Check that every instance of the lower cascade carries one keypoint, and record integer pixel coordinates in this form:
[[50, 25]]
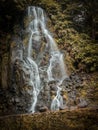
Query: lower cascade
[[38, 68]]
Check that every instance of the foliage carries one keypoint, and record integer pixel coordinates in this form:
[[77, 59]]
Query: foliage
[[74, 24], [74, 34]]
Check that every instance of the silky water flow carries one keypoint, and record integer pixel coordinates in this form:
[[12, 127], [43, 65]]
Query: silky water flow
[[39, 37]]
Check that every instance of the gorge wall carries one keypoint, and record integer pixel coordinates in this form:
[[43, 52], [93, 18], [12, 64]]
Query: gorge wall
[[79, 50]]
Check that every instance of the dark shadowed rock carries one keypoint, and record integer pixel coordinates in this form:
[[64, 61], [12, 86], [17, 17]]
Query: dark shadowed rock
[[43, 109], [64, 107]]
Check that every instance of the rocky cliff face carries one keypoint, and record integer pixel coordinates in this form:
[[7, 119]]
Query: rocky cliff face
[[80, 87]]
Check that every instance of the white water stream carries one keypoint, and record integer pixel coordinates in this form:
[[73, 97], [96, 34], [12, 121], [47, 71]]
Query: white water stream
[[55, 68]]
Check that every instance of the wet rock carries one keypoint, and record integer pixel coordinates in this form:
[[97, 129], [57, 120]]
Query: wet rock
[[83, 103], [52, 82], [53, 88], [17, 100], [43, 109], [64, 107], [67, 79], [53, 93]]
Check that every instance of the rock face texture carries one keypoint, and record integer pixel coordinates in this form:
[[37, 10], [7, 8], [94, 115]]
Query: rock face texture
[[79, 89]]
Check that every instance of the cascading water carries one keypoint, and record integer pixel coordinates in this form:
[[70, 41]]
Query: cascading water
[[37, 27], [42, 62], [35, 82]]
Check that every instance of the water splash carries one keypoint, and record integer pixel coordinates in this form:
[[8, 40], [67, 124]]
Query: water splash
[[57, 102]]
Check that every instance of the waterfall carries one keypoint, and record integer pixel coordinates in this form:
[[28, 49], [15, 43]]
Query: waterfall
[[41, 63], [34, 78], [37, 28]]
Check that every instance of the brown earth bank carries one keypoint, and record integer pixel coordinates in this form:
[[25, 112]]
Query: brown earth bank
[[78, 119]]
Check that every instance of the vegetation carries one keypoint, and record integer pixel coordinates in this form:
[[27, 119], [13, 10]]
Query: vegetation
[[74, 120], [75, 27], [76, 35]]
